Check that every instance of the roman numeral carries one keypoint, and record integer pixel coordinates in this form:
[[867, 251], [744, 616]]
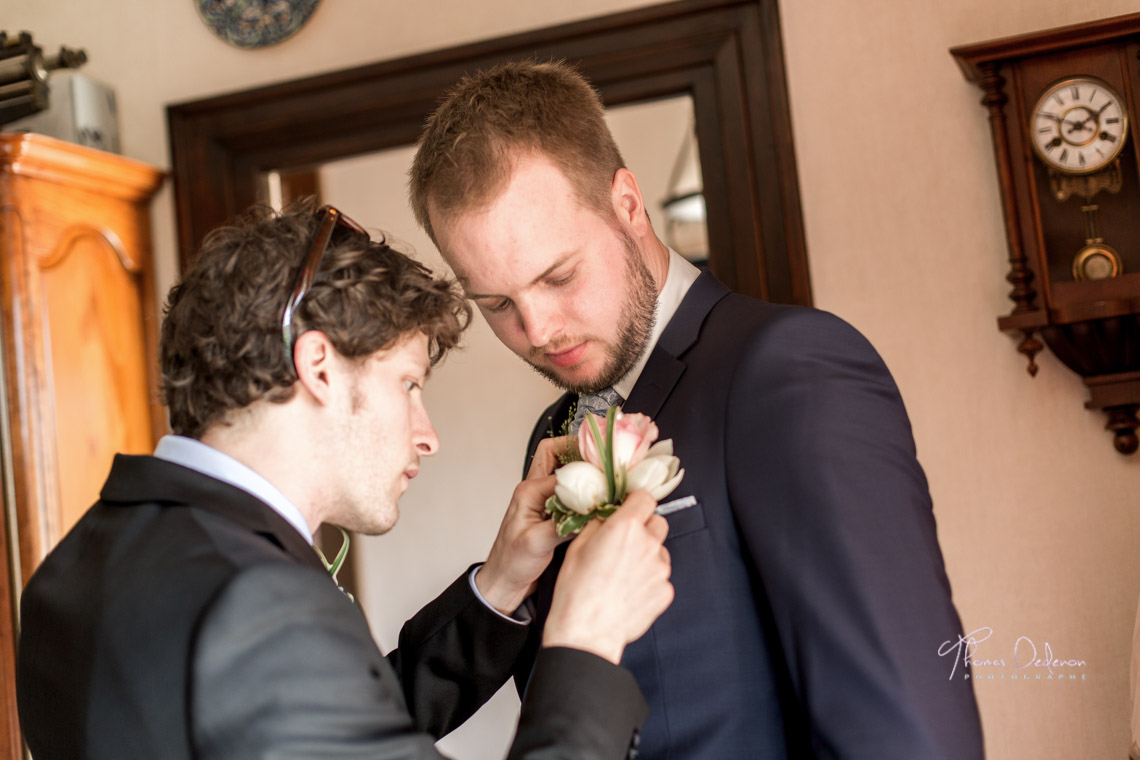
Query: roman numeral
[[1081, 157], [1113, 120], [1076, 93], [1094, 94], [1107, 136], [1045, 130], [1064, 155], [1059, 101]]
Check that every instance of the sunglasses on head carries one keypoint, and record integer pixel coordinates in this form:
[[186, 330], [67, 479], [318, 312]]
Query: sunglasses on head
[[330, 217]]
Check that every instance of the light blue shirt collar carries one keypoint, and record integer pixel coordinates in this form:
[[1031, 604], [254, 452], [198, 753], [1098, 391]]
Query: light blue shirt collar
[[207, 460]]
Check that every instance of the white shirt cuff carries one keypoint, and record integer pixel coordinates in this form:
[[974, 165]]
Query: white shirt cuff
[[522, 616]]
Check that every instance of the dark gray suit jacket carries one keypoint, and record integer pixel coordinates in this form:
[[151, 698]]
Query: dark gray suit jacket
[[811, 599], [184, 618]]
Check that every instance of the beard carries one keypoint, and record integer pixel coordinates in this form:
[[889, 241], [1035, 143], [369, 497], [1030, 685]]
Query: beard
[[638, 316]]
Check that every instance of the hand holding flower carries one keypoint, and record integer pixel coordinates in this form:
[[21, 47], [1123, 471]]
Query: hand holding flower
[[613, 584], [623, 459], [523, 547]]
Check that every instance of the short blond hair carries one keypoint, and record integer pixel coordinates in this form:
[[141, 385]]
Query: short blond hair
[[491, 118]]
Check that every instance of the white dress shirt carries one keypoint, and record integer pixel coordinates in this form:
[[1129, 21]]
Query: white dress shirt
[[680, 277]]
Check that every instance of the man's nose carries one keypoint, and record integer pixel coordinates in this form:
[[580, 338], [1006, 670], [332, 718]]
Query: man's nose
[[539, 321], [424, 436]]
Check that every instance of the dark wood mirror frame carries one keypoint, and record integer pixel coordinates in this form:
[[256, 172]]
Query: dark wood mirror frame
[[726, 54]]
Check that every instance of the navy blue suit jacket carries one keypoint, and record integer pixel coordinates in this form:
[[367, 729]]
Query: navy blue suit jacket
[[811, 598]]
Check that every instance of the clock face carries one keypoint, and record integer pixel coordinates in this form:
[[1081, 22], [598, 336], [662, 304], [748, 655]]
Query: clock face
[[1079, 125]]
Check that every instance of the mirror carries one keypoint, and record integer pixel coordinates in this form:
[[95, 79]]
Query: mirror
[[725, 54]]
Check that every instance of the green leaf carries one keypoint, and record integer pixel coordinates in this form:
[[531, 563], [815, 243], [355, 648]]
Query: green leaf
[[341, 555], [554, 504], [334, 567], [571, 523], [611, 476], [604, 449]]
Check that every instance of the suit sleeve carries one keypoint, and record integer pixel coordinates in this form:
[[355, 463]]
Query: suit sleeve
[[284, 667], [836, 515], [453, 656]]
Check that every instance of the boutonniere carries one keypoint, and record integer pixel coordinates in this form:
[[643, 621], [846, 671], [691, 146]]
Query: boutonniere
[[338, 561], [617, 455]]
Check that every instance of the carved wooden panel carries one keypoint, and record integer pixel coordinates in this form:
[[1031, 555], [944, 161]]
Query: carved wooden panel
[[78, 342], [93, 323]]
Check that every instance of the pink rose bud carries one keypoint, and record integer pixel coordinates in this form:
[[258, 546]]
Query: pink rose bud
[[633, 435], [586, 444]]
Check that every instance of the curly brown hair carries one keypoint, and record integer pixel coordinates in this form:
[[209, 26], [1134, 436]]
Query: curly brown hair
[[221, 347], [487, 120]]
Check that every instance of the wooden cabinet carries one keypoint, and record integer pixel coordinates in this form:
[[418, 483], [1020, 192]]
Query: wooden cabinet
[[78, 338]]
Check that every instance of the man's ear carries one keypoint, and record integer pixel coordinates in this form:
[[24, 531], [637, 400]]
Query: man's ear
[[315, 360], [628, 203]]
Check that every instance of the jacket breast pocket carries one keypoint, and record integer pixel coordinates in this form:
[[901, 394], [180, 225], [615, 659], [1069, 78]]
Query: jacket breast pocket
[[685, 521]]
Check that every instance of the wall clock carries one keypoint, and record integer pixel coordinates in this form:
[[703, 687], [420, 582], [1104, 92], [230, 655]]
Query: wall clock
[[1079, 125], [255, 23], [1062, 105]]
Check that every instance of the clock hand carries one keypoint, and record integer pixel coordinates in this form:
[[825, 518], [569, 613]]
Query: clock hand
[[1075, 125]]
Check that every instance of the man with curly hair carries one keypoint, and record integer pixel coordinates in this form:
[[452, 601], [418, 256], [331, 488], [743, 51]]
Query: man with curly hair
[[187, 615]]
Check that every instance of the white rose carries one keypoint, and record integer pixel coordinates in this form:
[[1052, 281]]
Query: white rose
[[659, 473], [581, 487]]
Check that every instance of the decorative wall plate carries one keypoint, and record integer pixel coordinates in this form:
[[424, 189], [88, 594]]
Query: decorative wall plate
[[255, 23]]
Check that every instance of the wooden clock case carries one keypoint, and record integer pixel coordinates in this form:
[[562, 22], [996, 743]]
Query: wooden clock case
[[1093, 326]]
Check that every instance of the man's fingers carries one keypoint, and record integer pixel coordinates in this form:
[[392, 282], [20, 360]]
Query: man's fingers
[[533, 492], [658, 527], [545, 459], [638, 505], [590, 529]]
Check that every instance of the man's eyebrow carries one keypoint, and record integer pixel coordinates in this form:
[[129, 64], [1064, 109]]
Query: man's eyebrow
[[561, 260]]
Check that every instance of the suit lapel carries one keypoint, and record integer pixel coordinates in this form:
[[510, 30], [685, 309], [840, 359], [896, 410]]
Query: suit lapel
[[665, 366], [146, 479]]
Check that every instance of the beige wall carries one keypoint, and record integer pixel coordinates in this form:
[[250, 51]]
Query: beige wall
[[1038, 516]]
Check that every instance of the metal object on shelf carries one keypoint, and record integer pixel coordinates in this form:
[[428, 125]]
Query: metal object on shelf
[[24, 71]]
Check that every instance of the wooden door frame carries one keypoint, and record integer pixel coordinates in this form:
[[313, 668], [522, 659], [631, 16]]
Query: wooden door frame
[[726, 54]]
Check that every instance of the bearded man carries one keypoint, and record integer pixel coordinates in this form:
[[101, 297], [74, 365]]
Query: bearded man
[[811, 597]]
